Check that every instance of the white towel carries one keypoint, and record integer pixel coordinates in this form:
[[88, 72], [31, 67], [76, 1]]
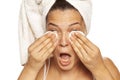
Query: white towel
[[32, 20]]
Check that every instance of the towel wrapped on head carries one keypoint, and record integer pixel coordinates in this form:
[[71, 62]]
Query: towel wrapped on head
[[32, 20]]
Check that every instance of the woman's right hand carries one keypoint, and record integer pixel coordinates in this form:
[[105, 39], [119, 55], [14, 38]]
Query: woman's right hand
[[41, 50]]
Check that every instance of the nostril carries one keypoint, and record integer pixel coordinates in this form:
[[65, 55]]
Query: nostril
[[63, 45], [64, 42]]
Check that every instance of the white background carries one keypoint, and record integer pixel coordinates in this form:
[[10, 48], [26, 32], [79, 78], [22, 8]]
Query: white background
[[105, 33]]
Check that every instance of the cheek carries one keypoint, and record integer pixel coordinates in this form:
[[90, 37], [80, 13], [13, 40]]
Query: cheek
[[56, 51]]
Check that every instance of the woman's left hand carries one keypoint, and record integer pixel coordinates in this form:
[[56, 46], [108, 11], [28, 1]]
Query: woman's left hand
[[88, 53]]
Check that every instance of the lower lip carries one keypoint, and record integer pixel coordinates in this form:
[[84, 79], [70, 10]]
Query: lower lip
[[64, 62]]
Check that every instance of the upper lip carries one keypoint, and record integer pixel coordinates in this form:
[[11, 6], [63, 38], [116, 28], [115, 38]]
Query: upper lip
[[64, 53]]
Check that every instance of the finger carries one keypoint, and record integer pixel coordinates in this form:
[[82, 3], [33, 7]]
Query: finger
[[90, 51], [39, 41], [77, 47], [41, 46], [40, 54], [85, 41], [47, 51], [84, 46], [53, 41]]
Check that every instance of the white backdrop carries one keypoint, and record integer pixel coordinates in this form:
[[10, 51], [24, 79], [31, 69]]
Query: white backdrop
[[104, 32]]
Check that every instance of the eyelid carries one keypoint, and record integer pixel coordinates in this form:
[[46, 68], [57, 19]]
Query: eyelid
[[75, 30], [53, 30]]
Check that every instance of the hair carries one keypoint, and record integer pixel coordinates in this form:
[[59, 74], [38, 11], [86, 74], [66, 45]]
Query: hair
[[61, 5]]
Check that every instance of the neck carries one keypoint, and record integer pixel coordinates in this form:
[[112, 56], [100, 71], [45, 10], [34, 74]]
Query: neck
[[77, 70]]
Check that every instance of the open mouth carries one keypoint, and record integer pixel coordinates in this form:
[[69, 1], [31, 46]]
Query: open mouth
[[64, 55], [65, 59]]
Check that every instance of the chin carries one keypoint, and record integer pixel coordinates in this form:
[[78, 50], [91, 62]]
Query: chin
[[66, 68]]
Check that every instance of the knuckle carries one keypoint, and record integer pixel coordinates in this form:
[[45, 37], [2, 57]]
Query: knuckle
[[29, 49], [32, 55], [88, 60], [43, 43], [36, 58], [85, 40], [76, 43], [39, 59], [50, 50], [97, 50]]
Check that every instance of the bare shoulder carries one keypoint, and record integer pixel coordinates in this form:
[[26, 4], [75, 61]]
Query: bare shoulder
[[109, 63], [111, 67]]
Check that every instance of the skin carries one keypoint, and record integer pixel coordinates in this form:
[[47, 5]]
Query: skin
[[86, 59]]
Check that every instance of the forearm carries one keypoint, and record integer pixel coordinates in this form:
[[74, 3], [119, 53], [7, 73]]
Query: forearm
[[28, 73]]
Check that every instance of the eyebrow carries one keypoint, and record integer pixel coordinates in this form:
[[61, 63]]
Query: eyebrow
[[68, 25], [53, 24], [74, 24]]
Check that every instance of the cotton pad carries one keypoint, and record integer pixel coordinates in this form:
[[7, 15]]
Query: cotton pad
[[77, 32]]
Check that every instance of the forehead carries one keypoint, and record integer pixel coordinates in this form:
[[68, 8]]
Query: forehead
[[64, 17]]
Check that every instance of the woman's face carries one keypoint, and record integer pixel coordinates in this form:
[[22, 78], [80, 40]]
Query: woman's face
[[63, 22]]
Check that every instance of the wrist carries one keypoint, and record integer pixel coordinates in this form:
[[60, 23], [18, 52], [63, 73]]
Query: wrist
[[33, 65], [31, 68]]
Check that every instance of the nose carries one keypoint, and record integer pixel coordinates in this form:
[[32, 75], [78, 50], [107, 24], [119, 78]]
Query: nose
[[64, 41]]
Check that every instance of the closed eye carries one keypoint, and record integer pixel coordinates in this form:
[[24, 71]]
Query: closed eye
[[75, 30], [52, 30]]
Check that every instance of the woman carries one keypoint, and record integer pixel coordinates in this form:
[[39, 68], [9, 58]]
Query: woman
[[64, 53]]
